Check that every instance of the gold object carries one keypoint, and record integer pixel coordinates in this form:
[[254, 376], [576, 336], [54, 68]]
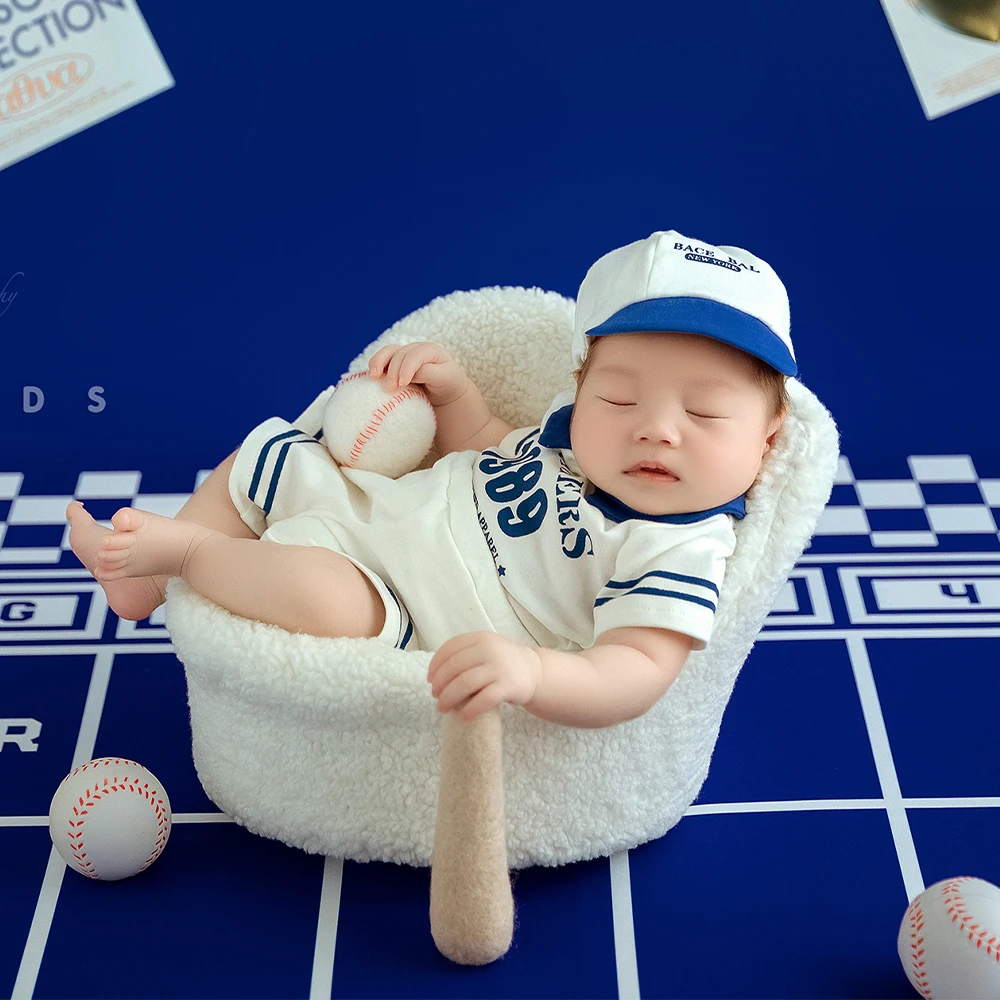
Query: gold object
[[977, 18]]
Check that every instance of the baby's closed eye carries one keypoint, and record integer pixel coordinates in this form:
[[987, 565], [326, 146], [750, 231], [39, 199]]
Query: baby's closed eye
[[692, 413]]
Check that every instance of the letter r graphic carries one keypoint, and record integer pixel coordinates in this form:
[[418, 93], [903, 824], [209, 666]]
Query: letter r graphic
[[24, 741]]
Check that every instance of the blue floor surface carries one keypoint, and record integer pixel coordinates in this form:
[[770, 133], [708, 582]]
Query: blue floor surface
[[784, 880]]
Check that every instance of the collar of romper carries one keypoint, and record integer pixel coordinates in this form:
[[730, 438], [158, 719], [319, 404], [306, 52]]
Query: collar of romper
[[555, 434]]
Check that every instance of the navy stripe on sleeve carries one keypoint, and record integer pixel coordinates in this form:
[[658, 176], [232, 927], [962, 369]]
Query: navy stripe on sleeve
[[659, 593], [695, 581], [262, 462], [405, 618], [275, 476]]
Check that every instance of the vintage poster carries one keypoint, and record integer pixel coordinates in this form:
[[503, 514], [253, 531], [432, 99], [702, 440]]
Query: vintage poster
[[67, 66], [951, 49]]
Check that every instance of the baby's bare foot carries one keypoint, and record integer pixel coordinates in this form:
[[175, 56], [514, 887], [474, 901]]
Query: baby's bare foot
[[145, 544], [131, 599]]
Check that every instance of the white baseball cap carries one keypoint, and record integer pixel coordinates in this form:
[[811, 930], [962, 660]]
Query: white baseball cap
[[672, 283]]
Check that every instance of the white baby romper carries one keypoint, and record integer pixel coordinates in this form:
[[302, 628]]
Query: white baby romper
[[513, 540]]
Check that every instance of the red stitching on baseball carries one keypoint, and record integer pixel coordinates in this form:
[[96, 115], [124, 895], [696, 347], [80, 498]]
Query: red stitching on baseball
[[365, 435], [103, 762], [89, 797], [952, 891], [377, 417], [916, 915]]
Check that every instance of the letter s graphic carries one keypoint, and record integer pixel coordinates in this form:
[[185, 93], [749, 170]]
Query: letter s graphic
[[580, 543]]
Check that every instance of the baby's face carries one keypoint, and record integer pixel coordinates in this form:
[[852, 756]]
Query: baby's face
[[688, 402]]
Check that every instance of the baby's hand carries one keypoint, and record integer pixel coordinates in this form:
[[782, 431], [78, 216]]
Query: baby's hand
[[426, 364], [476, 671]]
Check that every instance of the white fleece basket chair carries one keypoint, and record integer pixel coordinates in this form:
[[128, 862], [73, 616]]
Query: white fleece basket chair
[[334, 745]]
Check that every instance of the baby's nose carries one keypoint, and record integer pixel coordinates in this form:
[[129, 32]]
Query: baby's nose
[[662, 429]]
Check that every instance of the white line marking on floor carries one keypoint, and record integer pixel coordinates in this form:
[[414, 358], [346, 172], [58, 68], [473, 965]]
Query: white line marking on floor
[[48, 896], [621, 912], [326, 930], [700, 809], [906, 852]]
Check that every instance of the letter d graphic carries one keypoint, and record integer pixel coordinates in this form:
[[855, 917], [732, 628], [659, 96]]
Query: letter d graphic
[[29, 406]]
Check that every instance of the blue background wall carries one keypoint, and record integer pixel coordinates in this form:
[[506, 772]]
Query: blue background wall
[[221, 252]]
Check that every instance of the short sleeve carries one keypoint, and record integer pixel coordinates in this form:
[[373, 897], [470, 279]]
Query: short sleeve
[[292, 455], [668, 576]]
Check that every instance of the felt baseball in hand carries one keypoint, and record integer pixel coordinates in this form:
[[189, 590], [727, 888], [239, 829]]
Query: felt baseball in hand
[[109, 818], [949, 940], [366, 426]]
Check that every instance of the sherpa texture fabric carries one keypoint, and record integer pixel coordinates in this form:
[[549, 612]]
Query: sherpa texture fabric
[[333, 745]]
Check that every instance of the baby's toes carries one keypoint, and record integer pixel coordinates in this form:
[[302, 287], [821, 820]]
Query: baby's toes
[[114, 557], [117, 549], [124, 519], [111, 560], [117, 541]]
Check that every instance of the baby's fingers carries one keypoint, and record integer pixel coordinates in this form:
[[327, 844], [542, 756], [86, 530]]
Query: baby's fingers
[[410, 364], [380, 359], [392, 372], [462, 688], [485, 701], [410, 359]]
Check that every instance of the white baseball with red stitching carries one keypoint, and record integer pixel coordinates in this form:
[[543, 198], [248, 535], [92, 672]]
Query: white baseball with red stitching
[[949, 940], [366, 426], [109, 818]]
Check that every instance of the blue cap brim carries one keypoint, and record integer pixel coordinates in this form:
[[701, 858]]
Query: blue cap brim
[[689, 314]]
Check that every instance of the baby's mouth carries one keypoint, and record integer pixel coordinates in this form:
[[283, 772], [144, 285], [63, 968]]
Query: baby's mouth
[[652, 470]]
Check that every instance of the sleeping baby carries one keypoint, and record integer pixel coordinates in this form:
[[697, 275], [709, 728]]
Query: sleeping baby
[[568, 567]]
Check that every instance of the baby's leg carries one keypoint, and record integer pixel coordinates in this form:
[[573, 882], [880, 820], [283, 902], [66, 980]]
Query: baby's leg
[[301, 588], [136, 598]]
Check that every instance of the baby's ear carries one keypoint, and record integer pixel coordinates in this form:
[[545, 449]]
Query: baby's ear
[[772, 430]]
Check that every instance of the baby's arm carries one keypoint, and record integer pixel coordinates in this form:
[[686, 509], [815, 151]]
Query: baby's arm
[[469, 410], [618, 679], [464, 421], [621, 677], [647, 619]]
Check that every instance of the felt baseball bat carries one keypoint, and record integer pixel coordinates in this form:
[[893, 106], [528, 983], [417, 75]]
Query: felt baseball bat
[[472, 905]]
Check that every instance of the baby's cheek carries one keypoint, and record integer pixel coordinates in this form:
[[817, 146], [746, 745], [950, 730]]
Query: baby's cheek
[[740, 466], [755, 462]]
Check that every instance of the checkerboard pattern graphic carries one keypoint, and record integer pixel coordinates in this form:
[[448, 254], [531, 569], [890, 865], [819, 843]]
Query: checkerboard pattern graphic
[[33, 528], [943, 506]]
